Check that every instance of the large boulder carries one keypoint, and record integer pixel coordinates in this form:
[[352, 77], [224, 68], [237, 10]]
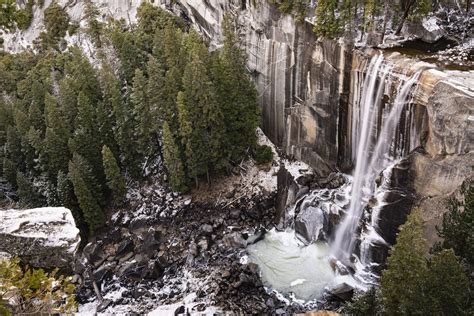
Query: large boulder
[[42, 237], [309, 224], [429, 31]]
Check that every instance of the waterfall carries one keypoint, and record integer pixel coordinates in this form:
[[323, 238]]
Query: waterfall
[[303, 260], [373, 130]]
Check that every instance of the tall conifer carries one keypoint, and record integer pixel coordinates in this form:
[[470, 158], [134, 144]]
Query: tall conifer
[[115, 180]]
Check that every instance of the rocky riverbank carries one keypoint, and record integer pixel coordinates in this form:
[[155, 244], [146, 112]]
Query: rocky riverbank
[[176, 253]]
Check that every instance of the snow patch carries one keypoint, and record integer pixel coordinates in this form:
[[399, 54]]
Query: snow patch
[[431, 24]]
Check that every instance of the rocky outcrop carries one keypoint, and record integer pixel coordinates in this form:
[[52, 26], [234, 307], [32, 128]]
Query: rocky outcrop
[[43, 237], [436, 181], [189, 252]]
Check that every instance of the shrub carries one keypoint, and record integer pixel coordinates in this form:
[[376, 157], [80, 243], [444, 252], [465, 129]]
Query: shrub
[[33, 290], [24, 17], [263, 154]]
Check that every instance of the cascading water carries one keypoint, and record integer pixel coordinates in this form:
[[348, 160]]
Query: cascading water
[[378, 143], [374, 152]]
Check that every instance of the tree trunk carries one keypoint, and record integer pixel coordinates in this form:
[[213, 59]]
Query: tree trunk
[[409, 4]]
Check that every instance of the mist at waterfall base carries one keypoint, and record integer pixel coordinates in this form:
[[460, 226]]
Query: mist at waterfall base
[[305, 272]]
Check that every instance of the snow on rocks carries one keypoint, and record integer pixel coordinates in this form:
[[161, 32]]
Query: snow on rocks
[[20, 40], [429, 31], [42, 237]]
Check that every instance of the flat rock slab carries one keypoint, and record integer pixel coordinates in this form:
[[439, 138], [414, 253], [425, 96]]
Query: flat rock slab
[[42, 237]]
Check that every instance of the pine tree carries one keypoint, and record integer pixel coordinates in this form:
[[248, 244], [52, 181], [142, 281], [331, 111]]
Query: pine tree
[[57, 153], [65, 192], [188, 138], [56, 22], [36, 118], [68, 100], [95, 185], [172, 161], [26, 190], [123, 129], [236, 95], [9, 171], [85, 140], [94, 27], [173, 50], [93, 215], [171, 88], [23, 124], [457, 229], [13, 148], [201, 119], [80, 77], [142, 113], [363, 304], [125, 45], [406, 268], [327, 24], [54, 116], [445, 289], [115, 180], [155, 90]]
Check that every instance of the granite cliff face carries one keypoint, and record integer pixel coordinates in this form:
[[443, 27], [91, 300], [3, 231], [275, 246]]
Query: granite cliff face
[[308, 88]]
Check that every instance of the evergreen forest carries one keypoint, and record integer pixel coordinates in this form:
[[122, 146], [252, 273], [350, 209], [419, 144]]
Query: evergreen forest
[[76, 128]]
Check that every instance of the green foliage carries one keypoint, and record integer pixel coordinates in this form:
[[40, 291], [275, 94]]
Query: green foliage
[[67, 125], [457, 229], [115, 180], [85, 189], [297, 7], [25, 16], [34, 291], [327, 24], [172, 161], [363, 304], [65, 195], [334, 17], [236, 95], [9, 171], [7, 14], [413, 285], [420, 10], [200, 117], [144, 115], [94, 27], [445, 288], [123, 119], [263, 154], [406, 267], [26, 190], [56, 22]]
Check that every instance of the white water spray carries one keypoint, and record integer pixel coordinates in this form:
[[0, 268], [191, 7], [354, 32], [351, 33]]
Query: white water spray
[[374, 150]]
